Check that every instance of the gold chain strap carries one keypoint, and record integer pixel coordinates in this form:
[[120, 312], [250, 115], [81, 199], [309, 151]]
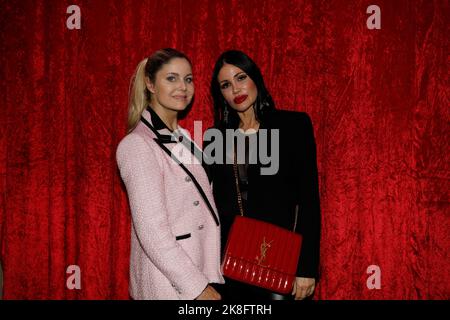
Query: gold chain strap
[[238, 191], [296, 215]]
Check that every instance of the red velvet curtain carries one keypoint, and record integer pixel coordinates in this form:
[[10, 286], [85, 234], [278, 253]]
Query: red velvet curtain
[[378, 100]]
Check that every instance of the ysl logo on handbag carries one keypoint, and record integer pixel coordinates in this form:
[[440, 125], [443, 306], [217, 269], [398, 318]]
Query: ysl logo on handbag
[[264, 247]]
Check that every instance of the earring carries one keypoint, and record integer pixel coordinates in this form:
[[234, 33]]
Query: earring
[[225, 112]]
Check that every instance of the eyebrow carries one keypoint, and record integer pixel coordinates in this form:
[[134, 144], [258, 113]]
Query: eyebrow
[[176, 74], [236, 75]]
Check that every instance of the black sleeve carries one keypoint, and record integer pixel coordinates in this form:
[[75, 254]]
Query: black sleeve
[[309, 203]]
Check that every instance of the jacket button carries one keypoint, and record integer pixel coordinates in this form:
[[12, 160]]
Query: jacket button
[[200, 227], [196, 203], [187, 179]]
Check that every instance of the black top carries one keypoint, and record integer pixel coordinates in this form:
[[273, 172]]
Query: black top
[[273, 198], [250, 153]]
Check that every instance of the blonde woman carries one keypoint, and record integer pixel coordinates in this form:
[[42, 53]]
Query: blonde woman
[[175, 233]]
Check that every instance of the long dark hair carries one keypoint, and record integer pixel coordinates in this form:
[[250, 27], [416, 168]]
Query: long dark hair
[[224, 115]]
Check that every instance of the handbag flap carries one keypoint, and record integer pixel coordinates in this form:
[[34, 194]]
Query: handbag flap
[[262, 254]]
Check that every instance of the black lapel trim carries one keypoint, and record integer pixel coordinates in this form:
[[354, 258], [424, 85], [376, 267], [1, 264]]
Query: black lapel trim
[[165, 138], [197, 153], [158, 124], [199, 188], [184, 236]]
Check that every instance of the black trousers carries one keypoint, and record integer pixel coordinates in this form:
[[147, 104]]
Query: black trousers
[[238, 291]]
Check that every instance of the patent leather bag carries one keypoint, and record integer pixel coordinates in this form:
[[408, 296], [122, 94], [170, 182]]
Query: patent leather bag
[[260, 253]]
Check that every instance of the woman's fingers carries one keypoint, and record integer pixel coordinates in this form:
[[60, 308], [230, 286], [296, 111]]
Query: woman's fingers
[[310, 290], [304, 291], [301, 293]]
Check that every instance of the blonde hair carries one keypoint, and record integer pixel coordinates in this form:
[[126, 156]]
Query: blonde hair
[[139, 98], [139, 95]]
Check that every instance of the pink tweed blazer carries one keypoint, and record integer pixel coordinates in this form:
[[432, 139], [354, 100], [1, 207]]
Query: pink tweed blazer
[[175, 234]]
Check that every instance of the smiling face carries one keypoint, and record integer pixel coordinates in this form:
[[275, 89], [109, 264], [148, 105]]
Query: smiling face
[[173, 87], [237, 87]]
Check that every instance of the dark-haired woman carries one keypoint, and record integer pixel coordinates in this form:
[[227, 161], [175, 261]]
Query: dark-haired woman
[[277, 195], [175, 232]]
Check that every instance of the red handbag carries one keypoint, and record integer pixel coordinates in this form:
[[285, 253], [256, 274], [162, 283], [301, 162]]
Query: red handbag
[[260, 253]]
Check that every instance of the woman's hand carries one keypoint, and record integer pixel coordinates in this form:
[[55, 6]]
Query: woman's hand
[[209, 294], [303, 287]]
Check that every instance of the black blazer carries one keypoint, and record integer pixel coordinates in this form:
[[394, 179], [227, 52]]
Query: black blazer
[[273, 198]]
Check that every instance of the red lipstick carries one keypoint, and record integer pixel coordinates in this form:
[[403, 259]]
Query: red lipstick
[[240, 99]]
